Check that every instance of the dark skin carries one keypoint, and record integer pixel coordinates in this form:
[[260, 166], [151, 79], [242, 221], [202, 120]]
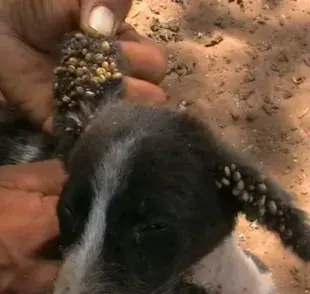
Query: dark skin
[[28, 192]]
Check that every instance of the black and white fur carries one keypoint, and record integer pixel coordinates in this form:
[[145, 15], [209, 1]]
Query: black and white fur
[[144, 209], [210, 264]]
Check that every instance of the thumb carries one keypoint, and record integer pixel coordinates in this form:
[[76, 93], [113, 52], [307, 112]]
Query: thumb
[[40, 23], [104, 16]]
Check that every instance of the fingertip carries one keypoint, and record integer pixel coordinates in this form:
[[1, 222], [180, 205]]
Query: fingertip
[[48, 125], [141, 65], [102, 20], [143, 92], [104, 16]]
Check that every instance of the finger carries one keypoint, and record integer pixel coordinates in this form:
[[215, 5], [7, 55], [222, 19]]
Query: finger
[[40, 25], [47, 125], [43, 23], [143, 92], [104, 16], [144, 61], [138, 49], [28, 226], [127, 32], [35, 278], [46, 177], [28, 67]]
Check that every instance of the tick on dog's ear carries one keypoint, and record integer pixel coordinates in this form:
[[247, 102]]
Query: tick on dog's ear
[[90, 73], [263, 199]]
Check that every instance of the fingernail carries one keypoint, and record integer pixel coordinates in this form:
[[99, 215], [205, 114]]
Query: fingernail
[[102, 20]]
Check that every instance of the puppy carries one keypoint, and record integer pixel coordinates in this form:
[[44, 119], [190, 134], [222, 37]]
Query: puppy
[[152, 196]]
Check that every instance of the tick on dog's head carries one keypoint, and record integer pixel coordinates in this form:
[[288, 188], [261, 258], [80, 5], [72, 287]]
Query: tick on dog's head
[[133, 218]]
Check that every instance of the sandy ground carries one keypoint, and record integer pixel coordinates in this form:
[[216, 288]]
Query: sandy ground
[[246, 71]]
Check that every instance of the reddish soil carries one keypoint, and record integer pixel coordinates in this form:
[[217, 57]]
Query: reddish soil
[[245, 71]]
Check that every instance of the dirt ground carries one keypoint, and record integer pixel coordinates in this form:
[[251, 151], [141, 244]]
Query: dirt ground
[[245, 69]]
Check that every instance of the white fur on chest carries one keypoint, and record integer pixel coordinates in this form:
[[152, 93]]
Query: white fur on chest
[[228, 270]]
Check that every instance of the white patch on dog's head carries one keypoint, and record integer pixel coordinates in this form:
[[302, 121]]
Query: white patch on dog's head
[[80, 271], [228, 270]]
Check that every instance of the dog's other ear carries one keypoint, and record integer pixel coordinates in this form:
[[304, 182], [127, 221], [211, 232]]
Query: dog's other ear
[[261, 198]]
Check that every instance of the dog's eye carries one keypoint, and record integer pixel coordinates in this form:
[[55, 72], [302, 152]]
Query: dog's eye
[[67, 218], [143, 233], [68, 212], [69, 224], [153, 227]]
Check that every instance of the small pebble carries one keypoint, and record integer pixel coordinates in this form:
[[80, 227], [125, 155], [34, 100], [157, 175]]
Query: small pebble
[[254, 225]]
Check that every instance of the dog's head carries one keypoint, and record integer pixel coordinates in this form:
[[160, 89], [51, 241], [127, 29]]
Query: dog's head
[[139, 208], [150, 191]]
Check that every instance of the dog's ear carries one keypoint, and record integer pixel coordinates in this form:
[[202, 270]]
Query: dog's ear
[[262, 199], [89, 74]]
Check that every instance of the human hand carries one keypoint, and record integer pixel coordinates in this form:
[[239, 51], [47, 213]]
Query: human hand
[[30, 31], [28, 223]]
